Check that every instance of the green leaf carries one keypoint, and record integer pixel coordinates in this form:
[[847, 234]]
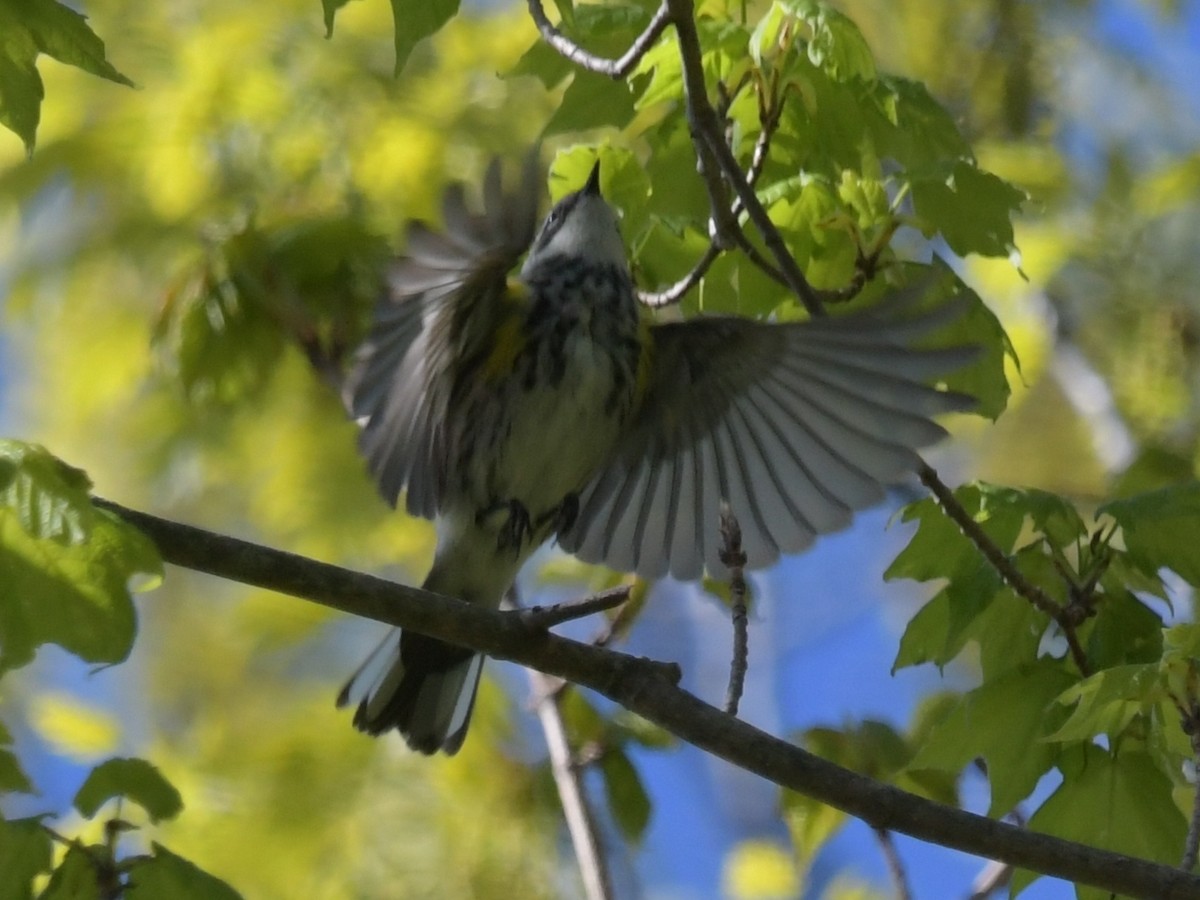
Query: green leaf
[[583, 724], [592, 101], [75, 877], [626, 796], [1121, 803], [627, 726], [12, 776], [1004, 721], [1162, 529], [1106, 702], [970, 208], [810, 823], [416, 20], [33, 27], [1124, 630], [168, 875], [330, 8], [65, 566], [25, 852], [835, 45], [132, 779]]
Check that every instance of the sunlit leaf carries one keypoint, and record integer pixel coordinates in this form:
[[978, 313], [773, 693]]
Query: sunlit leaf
[[1162, 528], [1120, 802], [1106, 702], [32, 27], [1004, 721], [65, 565], [416, 20], [970, 208]]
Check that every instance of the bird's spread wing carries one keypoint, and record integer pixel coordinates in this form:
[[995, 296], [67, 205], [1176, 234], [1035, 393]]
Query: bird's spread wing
[[796, 425], [400, 382]]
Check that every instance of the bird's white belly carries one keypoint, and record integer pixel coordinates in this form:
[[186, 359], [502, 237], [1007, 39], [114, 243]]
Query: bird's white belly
[[560, 435]]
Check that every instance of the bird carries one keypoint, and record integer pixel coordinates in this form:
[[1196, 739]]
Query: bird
[[515, 408]]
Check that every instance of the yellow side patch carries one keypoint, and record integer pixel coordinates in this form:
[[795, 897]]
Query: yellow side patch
[[508, 341]]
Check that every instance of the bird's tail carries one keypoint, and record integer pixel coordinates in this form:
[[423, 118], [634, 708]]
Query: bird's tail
[[422, 686]]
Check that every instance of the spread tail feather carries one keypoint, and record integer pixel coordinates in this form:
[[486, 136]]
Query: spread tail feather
[[419, 685], [427, 692]]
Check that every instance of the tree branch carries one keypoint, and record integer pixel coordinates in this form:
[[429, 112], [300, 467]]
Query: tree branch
[[650, 690], [613, 68], [711, 145], [734, 558], [1006, 568]]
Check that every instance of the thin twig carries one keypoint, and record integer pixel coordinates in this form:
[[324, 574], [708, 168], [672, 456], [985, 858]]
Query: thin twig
[[613, 68], [568, 779], [651, 690], [895, 865], [543, 617], [990, 879], [674, 293], [1192, 846], [713, 149], [1004, 566], [734, 558], [581, 821]]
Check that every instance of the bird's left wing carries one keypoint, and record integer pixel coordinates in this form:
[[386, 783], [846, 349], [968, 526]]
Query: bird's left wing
[[797, 425], [399, 386]]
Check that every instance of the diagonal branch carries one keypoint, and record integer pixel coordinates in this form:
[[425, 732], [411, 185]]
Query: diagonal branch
[[613, 68], [650, 689], [711, 146]]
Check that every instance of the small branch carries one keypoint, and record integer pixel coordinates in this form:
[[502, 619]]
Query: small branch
[[734, 558], [990, 879], [1004, 566], [895, 865], [613, 68], [712, 149], [674, 293], [546, 617], [1192, 846], [581, 821], [645, 688]]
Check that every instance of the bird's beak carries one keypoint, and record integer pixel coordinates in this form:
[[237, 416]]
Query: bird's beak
[[593, 183]]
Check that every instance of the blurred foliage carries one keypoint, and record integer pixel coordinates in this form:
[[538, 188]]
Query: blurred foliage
[[188, 264]]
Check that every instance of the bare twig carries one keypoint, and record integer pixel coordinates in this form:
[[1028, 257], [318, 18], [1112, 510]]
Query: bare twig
[[1191, 847], [651, 690], [613, 68], [549, 616], [1004, 566], [581, 822], [990, 879], [674, 293], [712, 149], [734, 558], [895, 865]]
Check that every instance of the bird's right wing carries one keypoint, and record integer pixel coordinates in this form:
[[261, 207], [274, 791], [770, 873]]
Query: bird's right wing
[[399, 385], [796, 425]]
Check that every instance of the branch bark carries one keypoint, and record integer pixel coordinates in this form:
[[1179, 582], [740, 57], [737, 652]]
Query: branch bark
[[650, 689]]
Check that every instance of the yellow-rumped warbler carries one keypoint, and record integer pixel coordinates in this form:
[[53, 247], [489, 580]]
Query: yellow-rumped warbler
[[511, 410]]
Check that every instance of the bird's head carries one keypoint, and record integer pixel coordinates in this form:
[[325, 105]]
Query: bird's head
[[580, 226]]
